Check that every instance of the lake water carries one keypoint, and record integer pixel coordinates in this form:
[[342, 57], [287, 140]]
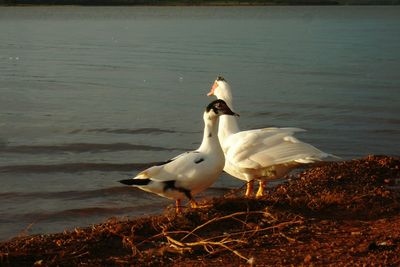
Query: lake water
[[92, 95]]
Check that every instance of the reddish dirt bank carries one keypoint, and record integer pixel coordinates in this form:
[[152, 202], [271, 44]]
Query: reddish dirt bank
[[344, 213]]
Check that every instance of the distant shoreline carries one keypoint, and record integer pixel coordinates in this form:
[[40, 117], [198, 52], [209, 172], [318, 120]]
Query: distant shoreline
[[196, 2]]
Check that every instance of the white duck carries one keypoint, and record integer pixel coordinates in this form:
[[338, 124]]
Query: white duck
[[261, 154], [192, 172]]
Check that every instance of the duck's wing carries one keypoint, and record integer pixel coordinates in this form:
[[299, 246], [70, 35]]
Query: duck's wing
[[173, 169], [269, 146], [251, 139]]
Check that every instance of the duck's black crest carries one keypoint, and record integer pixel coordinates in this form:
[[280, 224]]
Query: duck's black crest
[[220, 78], [213, 105]]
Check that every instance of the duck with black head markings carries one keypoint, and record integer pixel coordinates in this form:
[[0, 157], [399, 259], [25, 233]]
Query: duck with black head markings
[[191, 172], [260, 154]]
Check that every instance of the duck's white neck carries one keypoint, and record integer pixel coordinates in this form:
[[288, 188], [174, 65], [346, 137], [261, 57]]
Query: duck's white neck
[[227, 124], [210, 141]]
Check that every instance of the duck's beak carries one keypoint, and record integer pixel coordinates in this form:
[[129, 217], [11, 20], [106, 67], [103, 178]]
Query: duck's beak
[[215, 85]]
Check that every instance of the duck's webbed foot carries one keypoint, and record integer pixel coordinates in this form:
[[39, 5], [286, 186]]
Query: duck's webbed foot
[[261, 188], [249, 189], [178, 206], [194, 204]]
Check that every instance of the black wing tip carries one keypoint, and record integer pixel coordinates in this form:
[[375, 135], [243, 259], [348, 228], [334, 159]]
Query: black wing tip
[[126, 181], [135, 181]]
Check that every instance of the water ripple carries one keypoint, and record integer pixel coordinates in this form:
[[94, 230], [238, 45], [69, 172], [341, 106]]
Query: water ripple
[[81, 148], [76, 167]]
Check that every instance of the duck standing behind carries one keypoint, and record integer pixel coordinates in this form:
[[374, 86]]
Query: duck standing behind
[[192, 172], [261, 154]]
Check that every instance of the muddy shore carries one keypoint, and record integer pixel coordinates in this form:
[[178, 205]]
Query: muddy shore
[[344, 213]]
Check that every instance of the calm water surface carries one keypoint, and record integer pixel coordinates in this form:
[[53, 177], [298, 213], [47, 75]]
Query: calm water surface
[[89, 96]]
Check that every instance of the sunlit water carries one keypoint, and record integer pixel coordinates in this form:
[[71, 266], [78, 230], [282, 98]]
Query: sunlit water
[[89, 96]]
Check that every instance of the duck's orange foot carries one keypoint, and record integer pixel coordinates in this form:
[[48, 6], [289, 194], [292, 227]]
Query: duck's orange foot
[[261, 189], [249, 189]]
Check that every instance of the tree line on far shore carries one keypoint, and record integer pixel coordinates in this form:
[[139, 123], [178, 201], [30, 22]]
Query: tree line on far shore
[[199, 2]]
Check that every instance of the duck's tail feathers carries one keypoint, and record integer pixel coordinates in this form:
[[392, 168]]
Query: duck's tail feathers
[[135, 182]]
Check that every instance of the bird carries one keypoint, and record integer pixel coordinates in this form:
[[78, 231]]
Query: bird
[[189, 173], [260, 154]]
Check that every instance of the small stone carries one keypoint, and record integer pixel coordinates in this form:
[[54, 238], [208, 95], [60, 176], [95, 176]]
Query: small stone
[[307, 259]]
